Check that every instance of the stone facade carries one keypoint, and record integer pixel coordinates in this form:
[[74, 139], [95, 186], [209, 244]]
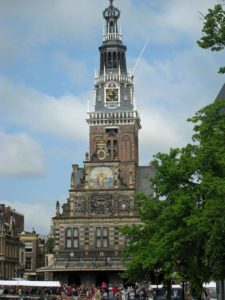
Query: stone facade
[[11, 223], [88, 245], [31, 256]]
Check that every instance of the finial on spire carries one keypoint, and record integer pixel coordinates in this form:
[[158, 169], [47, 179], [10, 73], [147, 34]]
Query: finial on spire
[[111, 12]]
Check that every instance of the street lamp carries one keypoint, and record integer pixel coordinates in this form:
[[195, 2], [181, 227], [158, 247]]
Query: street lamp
[[181, 270], [182, 284], [157, 273]]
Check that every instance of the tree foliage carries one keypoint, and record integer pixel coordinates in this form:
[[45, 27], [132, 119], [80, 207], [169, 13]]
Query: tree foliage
[[49, 245], [214, 30], [183, 229]]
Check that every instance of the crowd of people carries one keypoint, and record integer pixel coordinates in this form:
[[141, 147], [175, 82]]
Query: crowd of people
[[71, 292], [105, 292]]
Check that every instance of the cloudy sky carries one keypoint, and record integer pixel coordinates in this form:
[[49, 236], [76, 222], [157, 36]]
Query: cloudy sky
[[48, 57]]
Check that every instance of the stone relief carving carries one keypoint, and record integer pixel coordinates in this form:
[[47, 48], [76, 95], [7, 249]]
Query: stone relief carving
[[80, 204], [101, 204], [124, 202]]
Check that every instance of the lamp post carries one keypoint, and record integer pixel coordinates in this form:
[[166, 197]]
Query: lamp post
[[182, 284], [181, 270], [157, 273]]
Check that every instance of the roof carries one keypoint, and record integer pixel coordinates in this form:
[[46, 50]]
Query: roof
[[144, 173], [221, 94]]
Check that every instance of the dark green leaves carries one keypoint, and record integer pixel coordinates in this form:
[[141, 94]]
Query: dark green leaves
[[214, 31], [183, 225]]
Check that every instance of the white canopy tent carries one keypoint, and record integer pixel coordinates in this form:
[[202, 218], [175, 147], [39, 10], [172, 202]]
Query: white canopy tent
[[211, 284], [30, 283]]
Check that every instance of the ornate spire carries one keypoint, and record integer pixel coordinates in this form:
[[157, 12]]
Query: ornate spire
[[111, 14]]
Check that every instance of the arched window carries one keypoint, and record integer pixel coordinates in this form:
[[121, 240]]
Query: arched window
[[126, 148], [102, 61], [109, 147], [111, 25], [115, 149], [114, 60], [109, 60], [123, 61], [105, 59]]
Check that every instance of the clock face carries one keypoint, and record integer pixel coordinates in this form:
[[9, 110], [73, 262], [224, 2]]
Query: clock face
[[112, 94], [101, 154]]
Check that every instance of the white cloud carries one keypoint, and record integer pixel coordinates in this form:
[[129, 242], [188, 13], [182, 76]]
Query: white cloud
[[27, 26], [20, 155], [63, 117], [76, 70], [43, 20], [164, 21], [168, 92]]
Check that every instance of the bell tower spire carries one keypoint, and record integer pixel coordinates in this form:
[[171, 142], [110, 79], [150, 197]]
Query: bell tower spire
[[113, 83], [111, 15], [112, 51], [115, 123]]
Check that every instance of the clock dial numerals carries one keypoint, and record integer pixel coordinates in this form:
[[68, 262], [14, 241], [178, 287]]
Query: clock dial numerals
[[112, 95]]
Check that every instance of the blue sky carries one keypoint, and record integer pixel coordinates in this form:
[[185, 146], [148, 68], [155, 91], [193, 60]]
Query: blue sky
[[48, 57]]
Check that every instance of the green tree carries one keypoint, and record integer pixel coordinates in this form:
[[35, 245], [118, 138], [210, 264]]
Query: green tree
[[49, 245], [210, 134], [183, 228], [214, 30]]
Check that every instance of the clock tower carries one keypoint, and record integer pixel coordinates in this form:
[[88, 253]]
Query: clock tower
[[87, 242], [115, 123]]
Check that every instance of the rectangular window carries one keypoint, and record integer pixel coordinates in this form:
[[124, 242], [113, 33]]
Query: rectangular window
[[68, 243], [75, 232], [105, 242], [75, 237], [28, 246], [102, 237], [98, 243], [105, 232], [72, 237], [69, 232], [86, 236], [75, 243], [98, 232], [28, 263], [116, 237]]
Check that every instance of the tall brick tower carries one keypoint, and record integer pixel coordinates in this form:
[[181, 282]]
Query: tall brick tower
[[115, 123], [88, 244]]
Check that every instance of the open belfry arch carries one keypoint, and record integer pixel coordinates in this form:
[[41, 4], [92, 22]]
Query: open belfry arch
[[88, 244]]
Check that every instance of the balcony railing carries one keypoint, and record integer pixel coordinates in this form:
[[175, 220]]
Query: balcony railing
[[90, 263], [114, 77], [116, 118]]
